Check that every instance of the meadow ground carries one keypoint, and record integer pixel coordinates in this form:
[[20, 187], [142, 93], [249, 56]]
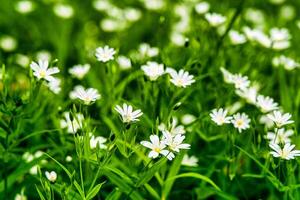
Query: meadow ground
[[149, 99]]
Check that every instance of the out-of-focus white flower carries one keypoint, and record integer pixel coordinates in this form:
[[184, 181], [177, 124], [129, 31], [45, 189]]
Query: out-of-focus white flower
[[69, 158], [157, 147], [147, 51], [202, 7], [54, 85], [41, 70], [240, 121], [266, 121], [228, 76], [124, 62], [34, 170], [79, 71], [63, 11], [112, 25], [178, 39], [43, 55], [24, 6], [287, 12], [154, 4], [187, 119], [215, 19], [8, 43], [132, 14], [249, 94], [28, 157], [287, 152], [240, 82], [286, 62], [181, 78], [105, 53], [254, 16], [51, 176], [98, 141], [72, 125], [280, 136], [236, 37], [280, 119], [280, 38], [191, 161], [20, 197], [102, 5], [266, 104], [153, 70], [256, 35], [22, 60], [173, 129], [87, 96], [219, 116], [127, 113]]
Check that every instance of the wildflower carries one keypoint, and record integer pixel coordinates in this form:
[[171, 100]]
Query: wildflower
[[98, 141], [202, 7], [8, 43], [154, 4], [249, 94], [266, 104], [124, 62], [153, 70], [33, 170], [188, 119], [51, 176], [215, 19], [54, 85], [236, 37], [219, 116], [266, 121], [181, 78], [43, 55], [228, 76], [280, 136], [88, 95], [64, 11], [22, 60], [20, 197], [189, 161], [280, 38], [280, 119], [79, 71], [24, 6], [240, 121], [105, 53], [286, 152], [127, 113], [69, 158], [157, 147], [286, 62], [256, 35], [174, 142], [41, 70], [147, 51], [173, 129], [240, 82], [72, 125]]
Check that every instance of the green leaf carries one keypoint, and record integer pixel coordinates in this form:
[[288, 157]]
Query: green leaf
[[77, 186], [40, 193], [94, 191]]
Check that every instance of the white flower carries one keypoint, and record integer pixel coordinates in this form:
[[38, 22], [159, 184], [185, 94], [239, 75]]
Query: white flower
[[88, 95], [173, 129], [127, 113], [63, 10], [236, 37], [98, 141], [51, 176], [215, 19], [157, 147], [188, 119], [174, 142], [240, 82], [54, 85], [181, 78], [22, 60], [286, 153], [20, 197], [132, 14], [202, 7], [219, 116], [280, 38], [266, 104], [249, 94], [28, 157], [41, 70], [154, 4], [69, 158], [124, 62], [189, 161], [240, 121], [153, 70], [43, 55], [24, 6], [228, 76], [280, 136], [33, 170], [258, 36], [147, 51], [266, 121], [280, 119], [286, 62], [8, 43], [72, 125], [79, 71], [105, 53]]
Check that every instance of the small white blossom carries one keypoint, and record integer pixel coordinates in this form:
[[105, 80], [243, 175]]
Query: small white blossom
[[215, 19], [54, 85], [181, 78], [173, 129], [79, 71], [24, 6], [157, 147], [124, 62], [87, 96], [219, 116], [280, 119], [266, 121], [41, 70], [51, 176], [236, 37], [174, 142], [240, 121], [8, 43], [20, 197], [153, 70], [105, 53], [72, 125], [188, 119], [202, 7], [127, 113], [249, 94], [240, 82], [69, 158], [189, 161], [146, 50], [98, 141], [280, 136], [286, 62], [280, 38], [287, 152], [64, 11], [266, 104]]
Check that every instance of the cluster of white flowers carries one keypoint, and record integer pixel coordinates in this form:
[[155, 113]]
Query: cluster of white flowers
[[79, 71], [279, 138], [285, 62], [29, 157], [215, 19], [87, 96]]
